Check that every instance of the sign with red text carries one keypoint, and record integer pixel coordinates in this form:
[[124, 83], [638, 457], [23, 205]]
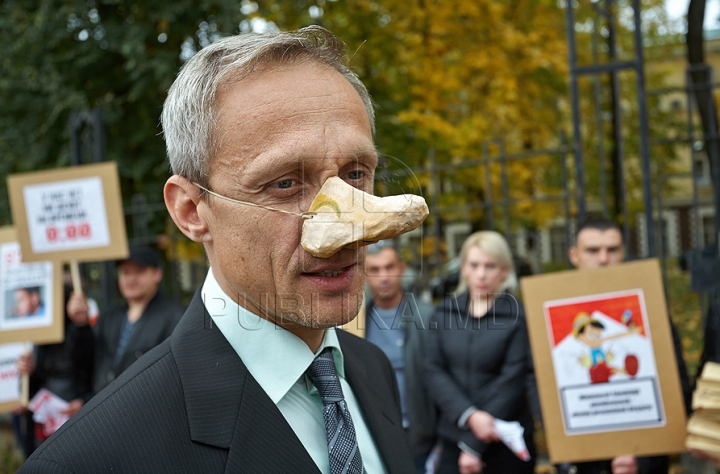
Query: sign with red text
[[30, 295], [48, 409], [69, 214], [9, 375]]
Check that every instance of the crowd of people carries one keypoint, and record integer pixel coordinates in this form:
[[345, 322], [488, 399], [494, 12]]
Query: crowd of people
[[255, 375], [475, 376], [92, 355]]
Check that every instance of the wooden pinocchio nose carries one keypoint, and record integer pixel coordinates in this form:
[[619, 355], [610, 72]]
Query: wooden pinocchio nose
[[346, 217]]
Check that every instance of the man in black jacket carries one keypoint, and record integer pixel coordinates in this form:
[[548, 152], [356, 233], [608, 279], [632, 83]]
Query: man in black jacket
[[145, 319], [599, 243]]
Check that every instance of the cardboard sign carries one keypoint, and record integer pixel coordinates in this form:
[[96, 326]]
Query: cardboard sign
[[69, 214], [605, 362], [31, 296], [9, 375]]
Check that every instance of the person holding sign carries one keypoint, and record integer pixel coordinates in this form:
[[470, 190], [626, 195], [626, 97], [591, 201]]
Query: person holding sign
[[255, 377], [65, 369], [599, 243], [477, 363], [145, 319]]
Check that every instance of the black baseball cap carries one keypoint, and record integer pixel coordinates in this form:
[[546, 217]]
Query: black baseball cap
[[143, 255]]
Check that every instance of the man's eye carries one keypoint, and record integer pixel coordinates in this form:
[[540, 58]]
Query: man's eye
[[357, 174], [284, 184]]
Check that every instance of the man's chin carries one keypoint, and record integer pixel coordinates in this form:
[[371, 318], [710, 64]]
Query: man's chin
[[324, 320], [328, 322]]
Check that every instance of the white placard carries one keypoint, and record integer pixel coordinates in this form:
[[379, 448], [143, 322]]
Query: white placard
[[612, 406], [48, 409], [66, 215], [9, 375], [26, 291]]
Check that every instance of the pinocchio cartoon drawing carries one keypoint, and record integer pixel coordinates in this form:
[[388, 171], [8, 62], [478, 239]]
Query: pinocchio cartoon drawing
[[589, 331]]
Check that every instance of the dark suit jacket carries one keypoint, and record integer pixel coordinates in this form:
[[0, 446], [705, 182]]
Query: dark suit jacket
[[157, 322], [191, 406]]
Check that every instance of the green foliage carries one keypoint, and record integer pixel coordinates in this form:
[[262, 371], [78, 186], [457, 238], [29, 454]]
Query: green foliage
[[118, 55], [684, 307], [10, 456]]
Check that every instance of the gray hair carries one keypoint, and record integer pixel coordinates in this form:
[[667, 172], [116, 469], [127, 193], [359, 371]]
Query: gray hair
[[189, 118]]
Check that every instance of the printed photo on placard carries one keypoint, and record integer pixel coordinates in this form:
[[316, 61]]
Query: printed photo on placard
[[604, 363], [26, 297]]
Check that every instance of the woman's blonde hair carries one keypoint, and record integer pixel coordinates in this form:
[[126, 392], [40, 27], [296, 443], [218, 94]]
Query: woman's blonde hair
[[495, 245]]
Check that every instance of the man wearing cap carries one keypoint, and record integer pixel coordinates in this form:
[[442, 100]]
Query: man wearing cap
[[145, 319]]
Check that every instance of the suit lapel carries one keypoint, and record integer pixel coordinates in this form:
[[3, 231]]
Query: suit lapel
[[263, 440], [226, 407], [384, 425]]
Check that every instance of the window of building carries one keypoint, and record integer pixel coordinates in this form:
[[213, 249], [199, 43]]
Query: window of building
[[558, 244], [708, 230]]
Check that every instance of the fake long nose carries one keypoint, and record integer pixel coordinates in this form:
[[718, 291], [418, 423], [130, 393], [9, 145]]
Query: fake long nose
[[346, 217]]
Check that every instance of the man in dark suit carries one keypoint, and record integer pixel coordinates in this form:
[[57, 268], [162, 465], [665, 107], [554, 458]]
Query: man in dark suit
[[255, 378]]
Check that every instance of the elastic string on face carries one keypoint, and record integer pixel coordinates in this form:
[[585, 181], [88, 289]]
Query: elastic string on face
[[304, 215]]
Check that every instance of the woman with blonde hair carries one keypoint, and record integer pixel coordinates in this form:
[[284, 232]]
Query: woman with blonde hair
[[478, 362]]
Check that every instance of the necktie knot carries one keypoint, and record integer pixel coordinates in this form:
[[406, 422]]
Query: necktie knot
[[324, 376]]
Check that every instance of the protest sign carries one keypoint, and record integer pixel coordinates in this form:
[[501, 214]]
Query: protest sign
[[69, 214], [604, 362], [9, 375], [31, 299]]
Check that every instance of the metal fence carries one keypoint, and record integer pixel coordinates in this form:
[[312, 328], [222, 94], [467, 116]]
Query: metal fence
[[495, 203]]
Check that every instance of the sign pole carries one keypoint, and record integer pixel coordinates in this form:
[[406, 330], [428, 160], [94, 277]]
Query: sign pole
[[76, 281]]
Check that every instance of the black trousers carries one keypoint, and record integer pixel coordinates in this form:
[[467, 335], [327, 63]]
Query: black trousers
[[498, 459]]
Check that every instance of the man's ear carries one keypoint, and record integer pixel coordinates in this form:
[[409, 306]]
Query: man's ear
[[182, 199], [573, 254]]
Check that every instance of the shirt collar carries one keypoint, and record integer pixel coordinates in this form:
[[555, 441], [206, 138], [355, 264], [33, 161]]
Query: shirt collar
[[275, 357]]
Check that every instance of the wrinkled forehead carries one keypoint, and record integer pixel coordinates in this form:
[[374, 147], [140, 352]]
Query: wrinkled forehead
[[303, 118]]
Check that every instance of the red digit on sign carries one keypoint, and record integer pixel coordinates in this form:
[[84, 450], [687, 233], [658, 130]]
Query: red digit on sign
[[51, 234], [85, 229], [71, 231]]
